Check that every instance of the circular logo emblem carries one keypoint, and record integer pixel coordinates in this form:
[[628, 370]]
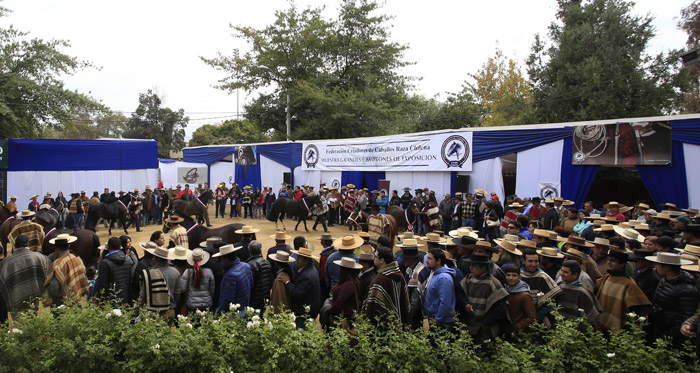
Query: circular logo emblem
[[455, 151], [311, 156], [335, 183], [579, 157], [548, 192]]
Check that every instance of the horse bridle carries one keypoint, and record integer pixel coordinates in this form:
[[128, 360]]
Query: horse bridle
[[354, 221]]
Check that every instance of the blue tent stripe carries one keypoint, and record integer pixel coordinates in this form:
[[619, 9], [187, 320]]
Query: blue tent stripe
[[492, 144]]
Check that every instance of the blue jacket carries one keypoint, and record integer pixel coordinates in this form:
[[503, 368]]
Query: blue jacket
[[440, 296], [383, 203], [235, 286], [305, 291]]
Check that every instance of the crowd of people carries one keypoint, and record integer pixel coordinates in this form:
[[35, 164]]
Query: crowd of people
[[495, 268]]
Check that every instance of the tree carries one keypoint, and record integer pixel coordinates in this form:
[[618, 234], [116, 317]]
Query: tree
[[502, 90], [151, 121], [87, 125], [690, 23], [596, 67], [335, 78], [229, 132], [32, 96]]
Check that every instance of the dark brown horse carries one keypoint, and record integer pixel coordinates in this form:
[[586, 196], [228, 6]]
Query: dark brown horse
[[404, 218], [197, 206], [86, 246], [5, 214], [359, 219], [7, 226], [197, 233], [110, 211], [300, 208]]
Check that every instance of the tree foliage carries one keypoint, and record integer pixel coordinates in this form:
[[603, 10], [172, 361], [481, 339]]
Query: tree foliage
[[594, 65], [32, 96], [690, 23], [152, 121], [229, 132], [503, 92], [342, 75], [89, 125]]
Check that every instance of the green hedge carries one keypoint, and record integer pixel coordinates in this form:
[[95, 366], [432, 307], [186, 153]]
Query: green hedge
[[100, 338]]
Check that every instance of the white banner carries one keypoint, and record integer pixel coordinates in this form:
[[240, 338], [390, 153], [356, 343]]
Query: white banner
[[437, 152]]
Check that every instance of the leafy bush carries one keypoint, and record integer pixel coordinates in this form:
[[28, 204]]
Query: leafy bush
[[107, 338]]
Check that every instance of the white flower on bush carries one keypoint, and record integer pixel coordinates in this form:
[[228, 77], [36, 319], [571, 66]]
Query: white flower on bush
[[249, 310], [157, 346], [15, 331], [181, 318], [200, 312], [255, 318], [632, 315], [253, 324], [189, 325], [292, 316], [540, 294], [642, 318], [233, 307], [268, 324], [487, 341], [117, 312], [61, 306], [581, 310], [307, 309], [257, 310], [611, 355], [294, 325]]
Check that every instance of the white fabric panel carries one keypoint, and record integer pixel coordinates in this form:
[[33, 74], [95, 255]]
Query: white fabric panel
[[692, 154], [400, 180], [310, 178], [299, 175], [272, 173], [221, 171], [487, 175], [24, 184], [328, 177], [168, 172], [538, 165], [440, 182]]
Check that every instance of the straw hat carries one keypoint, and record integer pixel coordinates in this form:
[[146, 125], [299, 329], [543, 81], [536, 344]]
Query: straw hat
[[63, 239], [158, 251], [568, 203], [351, 186], [433, 237], [178, 253], [691, 267], [613, 204], [282, 257], [363, 234], [150, 245], [13, 197], [197, 254], [668, 258], [174, 219], [280, 235], [306, 252], [483, 245], [670, 206], [348, 263], [593, 217], [34, 196], [625, 224], [641, 227], [367, 257], [349, 242], [509, 246], [691, 250], [410, 242], [508, 237], [576, 241], [691, 211], [45, 206], [541, 233], [575, 253], [227, 249], [643, 206], [601, 242], [527, 244], [516, 205], [663, 216], [628, 233], [605, 228], [461, 232], [209, 242], [407, 234], [247, 229], [626, 209], [26, 214], [550, 252]]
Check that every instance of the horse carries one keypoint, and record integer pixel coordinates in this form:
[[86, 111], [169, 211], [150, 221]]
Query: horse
[[148, 205], [197, 233], [359, 219], [197, 206], [7, 226], [300, 208], [5, 214], [85, 247], [109, 211], [405, 219], [47, 218]]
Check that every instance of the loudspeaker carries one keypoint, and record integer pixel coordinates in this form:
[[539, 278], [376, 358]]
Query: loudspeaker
[[462, 184], [287, 178]]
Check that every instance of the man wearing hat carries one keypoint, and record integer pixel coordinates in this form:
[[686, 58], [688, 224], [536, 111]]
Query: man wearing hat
[[571, 296], [334, 200], [551, 217], [75, 209], [346, 246], [262, 276], [12, 205], [246, 233], [115, 273], [440, 297], [536, 211], [33, 231], [537, 279], [22, 277], [33, 203], [66, 278], [349, 205], [487, 310], [159, 284], [377, 225], [618, 294], [280, 245], [676, 298], [600, 254], [588, 265], [328, 249], [573, 254], [447, 207], [644, 274], [387, 295], [367, 274], [321, 210], [406, 198], [305, 290], [411, 260], [178, 233], [614, 211], [237, 281], [456, 214]]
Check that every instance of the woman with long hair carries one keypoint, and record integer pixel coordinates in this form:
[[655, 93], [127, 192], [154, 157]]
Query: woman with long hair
[[60, 205], [279, 295], [128, 250], [197, 284], [346, 293]]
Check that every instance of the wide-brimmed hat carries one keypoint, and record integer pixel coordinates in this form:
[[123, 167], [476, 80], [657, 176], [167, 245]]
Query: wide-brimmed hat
[[150, 245], [351, 186], [641, 227], [605, 228], [601, 242], [516, 205], [209, 242], [247, 229], [26, 214], [173, 219], [510, 247], [407, 234], [668, 258], [642, 205], [613, 204], [628, 233], [541, 233], [575, 253], [45, 206], [326, 237], [529, 244], [611, 219], [691, 250], [348, 263], [366, 257], [479, 259], [199, 255], [34, 196], [465, 241], [410, 242], [63, 239], [282, 257], [363, 234], [227, 249], [663, 216], [348, 242], [280, 235], [13, 197], [592, 217], [640, 254], [619, 254], [669, 206], [433, 237], [550, 252], [568, 203], [159, 251], [691, 210], [508, 237], [306, 252], [178, 253], [626, 209], [576, 241], [483, 245]]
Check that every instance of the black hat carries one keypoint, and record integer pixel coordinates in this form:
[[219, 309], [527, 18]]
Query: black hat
[[410, 252], [535, 199], [479, 259], [419, 190], [620, 255], [214, 248], [692, 228], [640, 254], [464, 241]]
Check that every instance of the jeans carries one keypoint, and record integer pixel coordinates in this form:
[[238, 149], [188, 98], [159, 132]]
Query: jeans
[[76, 221], [321, 218], [468, 223]]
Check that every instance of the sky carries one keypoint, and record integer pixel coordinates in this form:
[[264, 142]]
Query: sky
[[154, 44]]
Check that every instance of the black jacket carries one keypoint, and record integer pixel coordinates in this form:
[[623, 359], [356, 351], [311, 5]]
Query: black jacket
[[217, 267], [647, 281], [243, 253], [406, 200], [675, 301], [114, 277], [305, 291], [551, 218], [262, 281], [365, 281]]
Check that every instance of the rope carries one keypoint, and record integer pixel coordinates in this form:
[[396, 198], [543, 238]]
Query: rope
[[591, 133]]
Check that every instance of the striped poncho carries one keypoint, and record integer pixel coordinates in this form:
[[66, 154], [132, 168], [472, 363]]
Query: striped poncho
[[22, 278], [572, 298], [618, 295], [539, 282], [69, 271], [387, 296], [33, 231], [483, 293]]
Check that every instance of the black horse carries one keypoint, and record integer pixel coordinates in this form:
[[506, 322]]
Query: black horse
[[109, 211], [48, 218], [199, 233], [197, 206], [300, 208]]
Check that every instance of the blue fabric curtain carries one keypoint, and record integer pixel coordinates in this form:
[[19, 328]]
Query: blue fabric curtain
[[288, 154], [492, 144], [687, 130], [453, 182], [247, 175], [351, 177], [207, 154], [163, 160], [74, 155], [372, 179], [667, 183], [576, 180]]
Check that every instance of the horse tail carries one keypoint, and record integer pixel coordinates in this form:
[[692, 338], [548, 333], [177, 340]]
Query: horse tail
[[93, 214], [272, 216]]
